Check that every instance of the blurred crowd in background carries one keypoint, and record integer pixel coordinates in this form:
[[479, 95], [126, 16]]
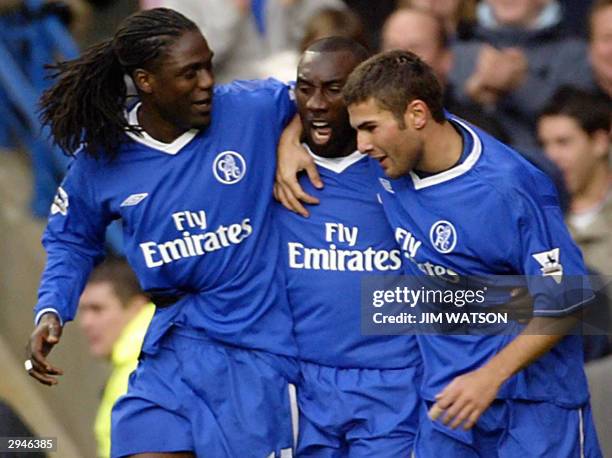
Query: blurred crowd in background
[[536, 74]]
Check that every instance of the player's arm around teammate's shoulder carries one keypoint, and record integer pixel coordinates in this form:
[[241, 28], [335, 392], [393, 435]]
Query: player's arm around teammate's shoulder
[[293, 159]]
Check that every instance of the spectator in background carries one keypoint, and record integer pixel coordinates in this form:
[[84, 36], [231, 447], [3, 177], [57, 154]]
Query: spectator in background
[[600, 48], [518, 59], [422, 32], [244, 32], [458, 16], [574, 132], [330, 22], [114, 316]]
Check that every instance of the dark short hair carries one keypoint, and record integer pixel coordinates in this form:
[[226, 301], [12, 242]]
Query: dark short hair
[[340, 44], [119, 274], [590, 111], [394, 79]]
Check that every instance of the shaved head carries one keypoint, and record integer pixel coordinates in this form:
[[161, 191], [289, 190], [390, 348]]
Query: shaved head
[[339, 44]]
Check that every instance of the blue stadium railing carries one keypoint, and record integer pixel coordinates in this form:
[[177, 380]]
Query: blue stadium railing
[[30, 38]]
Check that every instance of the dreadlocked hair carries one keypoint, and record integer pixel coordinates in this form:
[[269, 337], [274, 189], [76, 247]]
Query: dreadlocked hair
[[85, 106]]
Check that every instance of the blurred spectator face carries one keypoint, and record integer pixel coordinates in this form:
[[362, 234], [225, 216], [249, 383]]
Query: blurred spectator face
[[517, 13], [321, 77], [419, 32], [601, 43], [450, 12], [102, 317], [446, 9], [572, 149], [331, 22]]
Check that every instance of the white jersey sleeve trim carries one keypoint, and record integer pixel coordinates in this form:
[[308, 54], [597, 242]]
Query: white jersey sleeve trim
[[581, 431], [465, 166], [564, 311], [47, 310]]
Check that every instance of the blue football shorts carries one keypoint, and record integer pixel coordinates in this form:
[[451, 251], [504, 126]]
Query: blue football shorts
[[357, 412], [513, 429], [208, 398]]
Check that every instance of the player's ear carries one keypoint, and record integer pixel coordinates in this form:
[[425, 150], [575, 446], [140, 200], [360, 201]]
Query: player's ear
[[143, 80], [601, 143], [416, 114]]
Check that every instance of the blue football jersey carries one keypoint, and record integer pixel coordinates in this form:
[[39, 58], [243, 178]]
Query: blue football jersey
[[197, 222], [326, 255], [492, 214]]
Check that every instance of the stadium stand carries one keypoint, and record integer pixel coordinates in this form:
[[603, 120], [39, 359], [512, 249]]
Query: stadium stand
[[29, 37]]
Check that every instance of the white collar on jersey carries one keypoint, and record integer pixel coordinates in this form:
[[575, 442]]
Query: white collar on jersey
[[420, 183], [169, 148], [335, 164]]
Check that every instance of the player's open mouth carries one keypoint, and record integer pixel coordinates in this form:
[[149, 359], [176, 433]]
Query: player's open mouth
[[203, 106], [320, 132]]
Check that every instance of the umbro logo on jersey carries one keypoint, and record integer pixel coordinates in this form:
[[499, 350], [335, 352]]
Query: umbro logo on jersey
[[386, 184], [550, 265], [60, 202], [443, 236], [134, 199], [229, 167]]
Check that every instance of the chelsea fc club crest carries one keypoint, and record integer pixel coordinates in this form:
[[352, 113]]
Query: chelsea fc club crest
[[229, 167], [443, 236]]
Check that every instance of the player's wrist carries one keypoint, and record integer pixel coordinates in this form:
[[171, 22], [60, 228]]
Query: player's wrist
[[48, 311], [496, 374], [49, 317]]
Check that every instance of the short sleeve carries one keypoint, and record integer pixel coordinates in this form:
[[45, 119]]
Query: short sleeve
[[548, 256]]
